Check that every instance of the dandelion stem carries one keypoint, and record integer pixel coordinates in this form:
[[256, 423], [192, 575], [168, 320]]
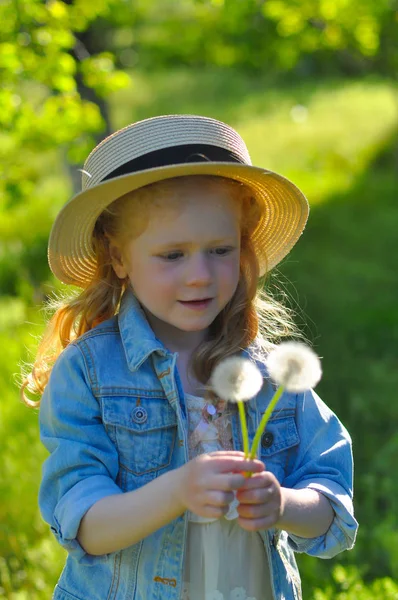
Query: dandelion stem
[[264, 420], [245, 435]]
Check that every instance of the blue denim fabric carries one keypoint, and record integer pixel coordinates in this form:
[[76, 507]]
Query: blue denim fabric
[[113, 418]]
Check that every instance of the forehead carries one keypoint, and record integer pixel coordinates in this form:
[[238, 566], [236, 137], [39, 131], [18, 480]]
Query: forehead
[[195, 211], [182, 190], [211, 204]]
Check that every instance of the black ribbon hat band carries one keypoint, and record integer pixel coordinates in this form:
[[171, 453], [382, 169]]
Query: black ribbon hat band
[[173, 156]]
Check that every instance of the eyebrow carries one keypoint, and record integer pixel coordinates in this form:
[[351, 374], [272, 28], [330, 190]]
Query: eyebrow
[[182, 244]]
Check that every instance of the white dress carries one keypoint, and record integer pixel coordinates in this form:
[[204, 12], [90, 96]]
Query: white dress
[[222, 560]]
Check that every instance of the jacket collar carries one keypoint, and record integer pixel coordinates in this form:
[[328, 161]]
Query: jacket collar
[[138, 339]]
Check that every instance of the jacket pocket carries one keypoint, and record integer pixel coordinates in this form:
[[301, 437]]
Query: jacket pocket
[[144, 430], [278, 440]]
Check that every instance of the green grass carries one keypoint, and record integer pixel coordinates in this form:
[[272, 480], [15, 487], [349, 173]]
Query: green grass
[[320, 134], [342, 275]]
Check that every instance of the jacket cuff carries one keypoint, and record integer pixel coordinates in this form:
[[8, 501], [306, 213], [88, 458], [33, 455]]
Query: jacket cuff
[[72, 508], [341, 533]]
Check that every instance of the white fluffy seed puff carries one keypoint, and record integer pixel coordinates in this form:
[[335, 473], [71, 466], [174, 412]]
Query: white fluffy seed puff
[[294, 366], [235, 379]]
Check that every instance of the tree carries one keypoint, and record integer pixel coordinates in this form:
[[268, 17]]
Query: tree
[[52, 95]]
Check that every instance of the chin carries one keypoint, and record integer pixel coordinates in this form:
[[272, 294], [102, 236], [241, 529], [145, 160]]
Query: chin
[[193, 327]]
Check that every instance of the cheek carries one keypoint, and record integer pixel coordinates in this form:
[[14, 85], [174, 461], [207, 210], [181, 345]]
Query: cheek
[[229, 275], [232, 271], [154, 279]]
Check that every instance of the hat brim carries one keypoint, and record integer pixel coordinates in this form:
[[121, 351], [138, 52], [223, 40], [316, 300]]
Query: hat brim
[[70, 252]]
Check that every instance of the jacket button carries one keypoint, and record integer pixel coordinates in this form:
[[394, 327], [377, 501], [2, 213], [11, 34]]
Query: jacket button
[[267, 439], [139, 415]]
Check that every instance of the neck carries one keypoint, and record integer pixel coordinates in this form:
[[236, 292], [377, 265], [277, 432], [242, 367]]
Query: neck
[[174, 339]]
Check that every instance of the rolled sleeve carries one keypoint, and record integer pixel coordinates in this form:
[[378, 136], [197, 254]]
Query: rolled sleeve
[[341, 533], [324, 463], [83, 464]]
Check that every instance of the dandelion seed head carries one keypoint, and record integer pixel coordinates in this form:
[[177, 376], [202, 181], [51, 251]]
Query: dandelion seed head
[[236, 379], [295, 366]]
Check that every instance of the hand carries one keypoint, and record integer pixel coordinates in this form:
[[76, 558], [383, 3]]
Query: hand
[[260, 502], [207, 482]]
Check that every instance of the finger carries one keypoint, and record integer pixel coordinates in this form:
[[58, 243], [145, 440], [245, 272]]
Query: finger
[[256, 482], [219, 498], [262, 479], [254, 496], [253, 511], [226, 481], [226, 464], [218, 453]]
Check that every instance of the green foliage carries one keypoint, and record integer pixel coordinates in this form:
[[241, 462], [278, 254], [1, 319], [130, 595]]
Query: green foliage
[[272, 35], [28, 557], [39, 47], [348, 585], [42, 110]]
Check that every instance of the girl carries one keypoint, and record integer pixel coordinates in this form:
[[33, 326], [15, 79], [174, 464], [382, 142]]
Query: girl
[[144, 486]]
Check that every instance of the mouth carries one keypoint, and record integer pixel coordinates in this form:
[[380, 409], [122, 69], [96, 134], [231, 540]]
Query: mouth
[[196, 304]]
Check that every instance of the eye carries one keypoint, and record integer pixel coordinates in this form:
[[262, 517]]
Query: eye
[[222, 250], [172, 256]]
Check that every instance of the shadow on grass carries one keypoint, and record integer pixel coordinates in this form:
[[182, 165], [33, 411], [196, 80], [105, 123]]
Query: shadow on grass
[[345, 268]]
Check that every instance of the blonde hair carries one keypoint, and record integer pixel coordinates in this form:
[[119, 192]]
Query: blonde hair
[[251, 314]]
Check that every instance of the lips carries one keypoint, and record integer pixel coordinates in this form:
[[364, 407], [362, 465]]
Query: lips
[[198, 304]]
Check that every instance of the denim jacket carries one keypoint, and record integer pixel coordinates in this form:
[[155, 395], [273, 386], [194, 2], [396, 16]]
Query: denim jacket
[[113, 418]]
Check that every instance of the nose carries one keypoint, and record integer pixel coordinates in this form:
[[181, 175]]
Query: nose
[[198, 271]]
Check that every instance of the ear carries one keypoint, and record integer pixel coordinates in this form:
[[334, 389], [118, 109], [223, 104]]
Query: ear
[[117, 259]]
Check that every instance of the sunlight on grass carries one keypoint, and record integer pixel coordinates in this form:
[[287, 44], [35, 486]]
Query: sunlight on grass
[[12, 312], [323, 145], [321, 135]]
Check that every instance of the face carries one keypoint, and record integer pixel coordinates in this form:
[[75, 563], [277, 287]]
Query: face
[[184, 267]]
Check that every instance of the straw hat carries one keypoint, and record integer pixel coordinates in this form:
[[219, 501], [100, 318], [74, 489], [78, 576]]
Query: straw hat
[[161, 148]]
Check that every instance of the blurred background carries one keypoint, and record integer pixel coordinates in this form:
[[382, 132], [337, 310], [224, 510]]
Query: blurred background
[[311, 86]]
